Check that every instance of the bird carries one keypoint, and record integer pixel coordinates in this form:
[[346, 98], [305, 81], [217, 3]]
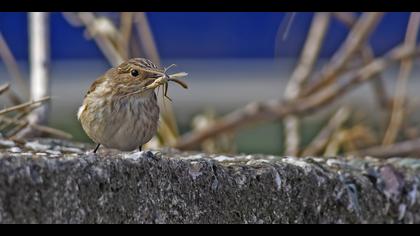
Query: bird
[[120, 109]]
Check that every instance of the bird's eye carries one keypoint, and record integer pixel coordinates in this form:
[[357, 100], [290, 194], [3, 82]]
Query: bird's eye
[[134, 73]]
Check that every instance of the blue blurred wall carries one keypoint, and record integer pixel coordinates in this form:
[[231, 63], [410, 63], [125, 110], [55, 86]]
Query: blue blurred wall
[[203, 35]]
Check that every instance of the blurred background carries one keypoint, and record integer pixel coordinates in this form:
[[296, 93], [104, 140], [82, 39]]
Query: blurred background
[[234, 59]]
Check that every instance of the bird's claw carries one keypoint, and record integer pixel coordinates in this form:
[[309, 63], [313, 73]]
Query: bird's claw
[[150, 155]]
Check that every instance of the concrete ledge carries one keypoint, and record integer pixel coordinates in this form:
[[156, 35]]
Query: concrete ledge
[[51, 181]]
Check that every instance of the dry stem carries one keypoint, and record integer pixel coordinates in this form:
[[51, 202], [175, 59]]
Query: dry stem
[[105, 43], [276, 109], [397, 115], [37, 127], [349, 19], [126, 28], [401, 149], [11, 64], [321, 140], [354, 41], [4, 88], [300, 75], [23, 105]]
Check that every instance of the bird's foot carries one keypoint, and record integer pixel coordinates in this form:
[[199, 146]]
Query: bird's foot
[[150, 155]]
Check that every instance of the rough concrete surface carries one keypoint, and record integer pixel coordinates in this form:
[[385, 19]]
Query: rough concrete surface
[[53, 181]]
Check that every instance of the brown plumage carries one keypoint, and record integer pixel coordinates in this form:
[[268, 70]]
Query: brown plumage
[[120, 109]]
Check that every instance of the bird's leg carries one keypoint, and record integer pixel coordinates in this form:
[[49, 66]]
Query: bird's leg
[[97, 147], [149, 154]]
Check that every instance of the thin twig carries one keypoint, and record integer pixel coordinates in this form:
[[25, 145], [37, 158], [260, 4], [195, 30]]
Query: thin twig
[[72, 18], [300, 75], [13, 97], [397, 115], [105, 44], [354, 41], [349, 19], [335, 142], [349, 139], [11, 65], [170, 138], [359, 136], [23, 105], [126, 28], [270, 110], [19, 116], [321, 140], [135, 49], [4, 88], [309, 55], [12, 132], [146, 37], [401, 149], [40, 128]]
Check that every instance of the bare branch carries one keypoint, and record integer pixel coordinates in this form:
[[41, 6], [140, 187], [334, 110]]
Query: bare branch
[[354, 41], [126, 29], [271, 110], [301, 74], [41, 128], [72, 18], [105, 44], [11, 65], [401, 149], [146, 37], [23, 105], [19, 116], [397, 115], [321, 140], [349, 19], [4, 88]]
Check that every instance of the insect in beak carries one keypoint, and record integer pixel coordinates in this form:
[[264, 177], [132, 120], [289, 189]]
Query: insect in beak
[[163, 80], [166, 87], [166, 78]]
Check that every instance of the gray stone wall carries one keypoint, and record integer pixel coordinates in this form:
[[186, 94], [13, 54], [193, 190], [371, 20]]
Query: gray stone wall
[[52, 181]]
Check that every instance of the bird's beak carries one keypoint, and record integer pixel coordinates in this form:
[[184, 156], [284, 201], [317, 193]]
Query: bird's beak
[[156, 82]]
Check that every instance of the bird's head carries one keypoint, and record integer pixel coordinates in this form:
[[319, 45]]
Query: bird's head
[[135, 74], [140, 76]]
